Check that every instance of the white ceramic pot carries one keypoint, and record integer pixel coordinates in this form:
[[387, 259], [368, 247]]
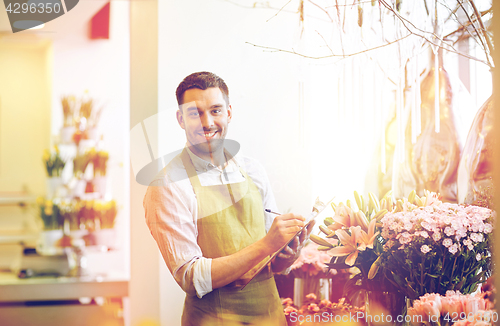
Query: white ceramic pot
[[93, 134], [105, 238], [100, 185], [67, 134], [47, 242], [79, 189], [54, 185]]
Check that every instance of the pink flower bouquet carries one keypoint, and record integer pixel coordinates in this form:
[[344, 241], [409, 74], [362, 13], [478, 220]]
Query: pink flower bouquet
[[437, 247], [312, 263], [452, 309]]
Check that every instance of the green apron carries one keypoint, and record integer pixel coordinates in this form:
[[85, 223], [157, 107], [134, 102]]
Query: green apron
[[231, 217]]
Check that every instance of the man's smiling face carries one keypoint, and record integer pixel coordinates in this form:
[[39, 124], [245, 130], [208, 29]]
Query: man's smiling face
[[204, 116]]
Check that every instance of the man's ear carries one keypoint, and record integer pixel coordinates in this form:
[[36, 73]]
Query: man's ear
[[229, 113], [180, 118]]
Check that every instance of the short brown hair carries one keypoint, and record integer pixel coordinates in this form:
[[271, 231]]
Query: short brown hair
[[201, 80]]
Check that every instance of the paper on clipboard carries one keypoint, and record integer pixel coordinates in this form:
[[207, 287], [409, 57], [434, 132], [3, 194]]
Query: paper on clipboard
[[318, 208]]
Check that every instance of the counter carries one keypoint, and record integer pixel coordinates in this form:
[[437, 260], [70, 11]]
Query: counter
[[54, 301]]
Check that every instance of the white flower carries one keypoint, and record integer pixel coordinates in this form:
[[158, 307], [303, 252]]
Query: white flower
[[447, 242], [449, 231], [478, 257], [425, 249], [477, 237], [453, 249]]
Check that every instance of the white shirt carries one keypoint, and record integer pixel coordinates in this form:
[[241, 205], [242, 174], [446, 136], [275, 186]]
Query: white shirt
[[172, 213]]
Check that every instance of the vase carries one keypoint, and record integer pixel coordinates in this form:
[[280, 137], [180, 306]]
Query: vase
[[100, 185], [104, 239], [475, 171], [79, 188], [321, 287], [385, 308], [431, 163], [47, 244], [92, 134], [53, 186], [67, 134]]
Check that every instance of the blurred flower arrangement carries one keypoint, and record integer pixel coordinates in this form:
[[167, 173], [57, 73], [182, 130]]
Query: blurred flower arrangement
[[80, 163], [99, 161], [74, 215], [312, 263], [89, 111], [453, 308], [68, 105], [321, 311], [81, 113], [54, 164], [433, 247], [49, 214]]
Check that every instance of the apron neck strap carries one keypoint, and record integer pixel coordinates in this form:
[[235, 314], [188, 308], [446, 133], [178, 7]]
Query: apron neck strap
[[191, 172]]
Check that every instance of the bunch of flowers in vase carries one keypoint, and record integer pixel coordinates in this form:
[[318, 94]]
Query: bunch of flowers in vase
[[89, 116], [99, 161], [54, 163], [68, 104], [311, 274], [315, 311], [433, 247], [52, 222], [453, 308], [50, 214], [358, 243], [408, 248]]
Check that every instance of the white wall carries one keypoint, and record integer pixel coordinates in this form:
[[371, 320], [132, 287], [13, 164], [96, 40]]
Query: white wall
[[100, 67], [268, 119]]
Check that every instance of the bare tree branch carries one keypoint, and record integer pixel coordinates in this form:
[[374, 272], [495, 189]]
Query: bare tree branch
[[460, 2], [483, 30], [464, 26], [327, 56], [276, 14], [323, 9], [326, 43]]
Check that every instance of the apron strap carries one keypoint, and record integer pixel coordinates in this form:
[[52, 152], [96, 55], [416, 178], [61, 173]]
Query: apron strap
[[191, 172]]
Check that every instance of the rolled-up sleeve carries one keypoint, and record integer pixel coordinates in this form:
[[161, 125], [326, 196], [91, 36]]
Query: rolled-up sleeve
[[171, 218]]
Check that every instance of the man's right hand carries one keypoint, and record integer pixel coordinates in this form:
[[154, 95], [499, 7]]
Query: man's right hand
[[284, 227]]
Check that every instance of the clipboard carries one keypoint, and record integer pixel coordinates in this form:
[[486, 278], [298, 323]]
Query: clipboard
[[318, 208]]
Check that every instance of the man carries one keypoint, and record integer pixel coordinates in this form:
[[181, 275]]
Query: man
[[206, 212]]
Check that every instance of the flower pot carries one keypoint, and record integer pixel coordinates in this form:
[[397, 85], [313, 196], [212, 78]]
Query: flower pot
[[54, 185], [385, 308], [475, 171], [79, 189], [104, 238], [100, 185], [67, 134], [47, 243], [320, 287], [92, 134]]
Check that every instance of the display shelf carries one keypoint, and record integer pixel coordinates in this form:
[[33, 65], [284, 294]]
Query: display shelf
[[17, 199]]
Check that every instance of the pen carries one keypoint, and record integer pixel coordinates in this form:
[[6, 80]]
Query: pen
[[270, 211]]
